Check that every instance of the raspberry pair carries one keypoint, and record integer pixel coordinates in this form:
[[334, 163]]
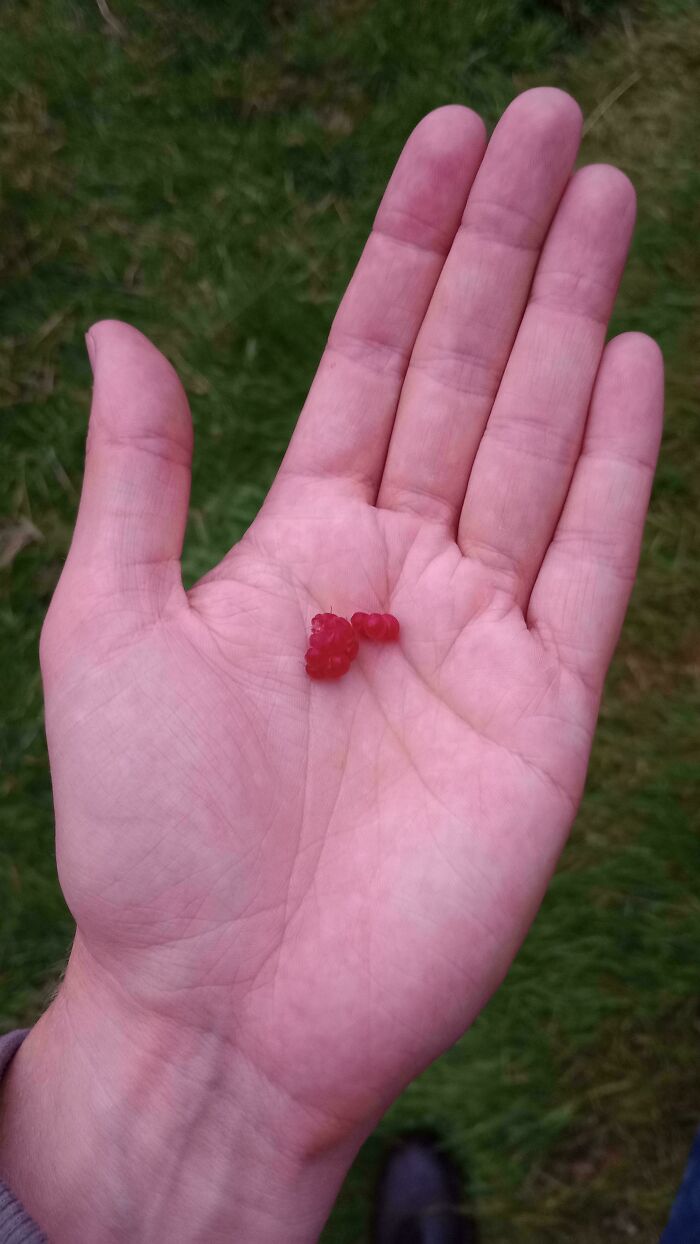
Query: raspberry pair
[[333, 641]]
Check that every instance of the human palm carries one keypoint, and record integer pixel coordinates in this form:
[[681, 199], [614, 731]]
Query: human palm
[[334, 877]]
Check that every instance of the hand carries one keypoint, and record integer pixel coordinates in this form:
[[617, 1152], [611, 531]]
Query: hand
[[298, 894]]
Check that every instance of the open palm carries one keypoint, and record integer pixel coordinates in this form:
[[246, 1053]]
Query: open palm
[[334, 877]]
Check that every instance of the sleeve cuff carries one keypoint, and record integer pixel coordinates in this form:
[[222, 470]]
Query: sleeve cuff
[[16, 1227]]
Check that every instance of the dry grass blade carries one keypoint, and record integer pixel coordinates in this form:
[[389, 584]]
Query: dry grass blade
[[111, 21], [607, 103], [14, 537]]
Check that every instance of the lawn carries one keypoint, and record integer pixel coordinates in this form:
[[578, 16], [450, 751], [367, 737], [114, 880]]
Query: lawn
[[208, 172]]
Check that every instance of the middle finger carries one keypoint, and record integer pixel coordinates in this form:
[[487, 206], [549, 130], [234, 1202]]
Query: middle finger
[[468, 331]]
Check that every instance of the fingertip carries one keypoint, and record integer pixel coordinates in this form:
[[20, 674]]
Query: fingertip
[[450, 126], [445, 147], [427, 191], [628, 400], [544, 106], [607, 186], [634, 364], [533, 145], [119, 337], [114, 329], [590, 237], [637, 350], [145, 393]]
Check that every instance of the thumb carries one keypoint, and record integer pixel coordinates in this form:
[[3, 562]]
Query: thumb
[[133, 507]]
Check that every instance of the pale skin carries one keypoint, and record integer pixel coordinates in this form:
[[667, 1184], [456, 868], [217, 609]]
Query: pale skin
[[292, 896]]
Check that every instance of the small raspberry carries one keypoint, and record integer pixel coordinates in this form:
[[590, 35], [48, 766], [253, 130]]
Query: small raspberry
[[380, 626]]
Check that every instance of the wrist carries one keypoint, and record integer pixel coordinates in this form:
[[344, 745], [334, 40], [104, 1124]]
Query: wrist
[[117, 1126]]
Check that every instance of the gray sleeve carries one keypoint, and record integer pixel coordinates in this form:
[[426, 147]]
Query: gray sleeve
[[16, 1227]]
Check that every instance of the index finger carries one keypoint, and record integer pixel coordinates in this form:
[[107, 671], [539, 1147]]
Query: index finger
[[344, 428]]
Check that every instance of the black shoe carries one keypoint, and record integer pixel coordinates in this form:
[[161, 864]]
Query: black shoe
[[420, 1197]]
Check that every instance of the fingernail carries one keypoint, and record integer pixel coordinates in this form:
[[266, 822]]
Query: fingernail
[[91, 347]]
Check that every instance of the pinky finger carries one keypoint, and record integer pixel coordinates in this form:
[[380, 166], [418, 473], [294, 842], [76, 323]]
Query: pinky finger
[[580, 597]]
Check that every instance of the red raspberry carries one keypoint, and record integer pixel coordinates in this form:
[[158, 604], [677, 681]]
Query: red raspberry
[[381, 626], [332, 646]]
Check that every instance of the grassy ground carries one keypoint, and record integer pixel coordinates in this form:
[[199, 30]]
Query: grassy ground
[[208, 172]]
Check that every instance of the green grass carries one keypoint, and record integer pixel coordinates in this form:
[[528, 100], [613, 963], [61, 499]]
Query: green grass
[[209, 174]]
